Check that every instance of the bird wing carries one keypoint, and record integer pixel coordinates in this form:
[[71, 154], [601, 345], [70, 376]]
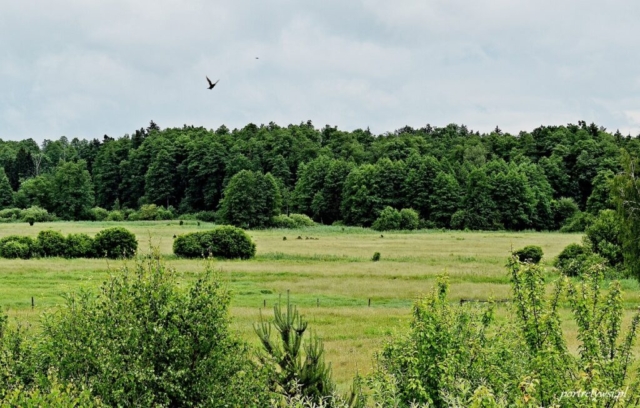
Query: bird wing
[[209, 81]]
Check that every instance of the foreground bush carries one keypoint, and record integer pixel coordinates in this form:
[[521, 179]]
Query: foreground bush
[[16, 246], [79, 246], [51, 243], [460, 356], [530, 253], [116, 242], [221, 242], [144, 341]]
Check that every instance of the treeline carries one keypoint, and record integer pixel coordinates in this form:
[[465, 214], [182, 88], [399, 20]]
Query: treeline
[[551, 177]]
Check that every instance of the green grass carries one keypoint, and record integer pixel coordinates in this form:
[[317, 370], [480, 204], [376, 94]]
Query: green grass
[[331, 278]]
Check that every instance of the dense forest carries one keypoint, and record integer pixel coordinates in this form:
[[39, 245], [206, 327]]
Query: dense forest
[[552, 177]]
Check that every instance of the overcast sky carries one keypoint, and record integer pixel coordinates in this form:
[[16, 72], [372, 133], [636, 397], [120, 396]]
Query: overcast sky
[[85, 69]]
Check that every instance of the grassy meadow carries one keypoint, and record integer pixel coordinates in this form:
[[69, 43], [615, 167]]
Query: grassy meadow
[[331, 277]]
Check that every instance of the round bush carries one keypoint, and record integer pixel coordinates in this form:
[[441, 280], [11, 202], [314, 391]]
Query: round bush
[[530, 253], [221, 242], [51, 243], [79, 246], [115, 215], [115, 243], [99, 214], [409, 219], [569, 253], [376, 257], [188, 245], [389, 219], [16, 246]]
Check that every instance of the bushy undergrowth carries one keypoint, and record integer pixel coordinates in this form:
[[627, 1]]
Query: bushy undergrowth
[[142, 341], [221, 242]]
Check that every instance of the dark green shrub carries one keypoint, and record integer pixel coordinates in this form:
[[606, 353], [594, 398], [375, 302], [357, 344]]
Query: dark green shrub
[[79, 246], [98, 214], [569, 253], [51, 243], [389, 219], [221, 242], [409, 219], [530, 253], [17, 246], [115, 243], [188, 245], [115, 215], [376, 257]]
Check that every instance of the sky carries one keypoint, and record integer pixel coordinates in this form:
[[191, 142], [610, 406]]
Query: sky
[[85, 69]]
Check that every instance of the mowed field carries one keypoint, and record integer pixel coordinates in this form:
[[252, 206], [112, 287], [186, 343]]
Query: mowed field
[[331, 277]]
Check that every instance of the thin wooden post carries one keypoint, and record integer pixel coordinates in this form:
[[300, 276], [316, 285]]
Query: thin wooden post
[[264, 303], [32, 303], [369, 302]]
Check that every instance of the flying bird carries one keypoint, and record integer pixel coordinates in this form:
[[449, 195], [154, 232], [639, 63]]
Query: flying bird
[[212, 84]]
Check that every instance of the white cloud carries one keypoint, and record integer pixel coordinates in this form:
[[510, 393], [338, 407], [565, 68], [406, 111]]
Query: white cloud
[[85, 69]]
